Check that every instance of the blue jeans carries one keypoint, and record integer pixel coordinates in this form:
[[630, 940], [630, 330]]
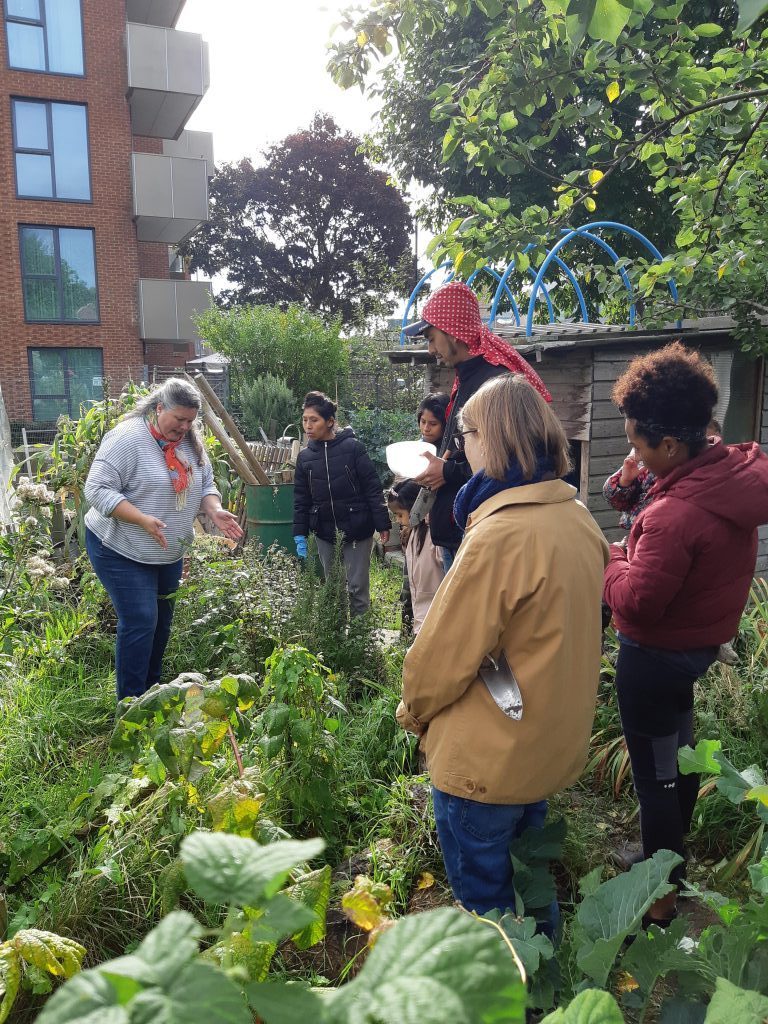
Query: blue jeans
[[448, 556], [475, 839], [142, 596]]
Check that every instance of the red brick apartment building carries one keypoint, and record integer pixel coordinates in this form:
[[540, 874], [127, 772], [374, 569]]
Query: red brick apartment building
[[98, 182]]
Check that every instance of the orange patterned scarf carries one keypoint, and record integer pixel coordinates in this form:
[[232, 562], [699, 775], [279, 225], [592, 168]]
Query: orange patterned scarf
[[179, 469]]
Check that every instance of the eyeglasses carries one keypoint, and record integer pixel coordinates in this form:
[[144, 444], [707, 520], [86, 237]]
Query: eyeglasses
[[459, 439]]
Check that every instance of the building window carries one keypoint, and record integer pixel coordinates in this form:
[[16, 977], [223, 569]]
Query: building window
[[63, 380], [50, 141], [58, 271], [45, 35]]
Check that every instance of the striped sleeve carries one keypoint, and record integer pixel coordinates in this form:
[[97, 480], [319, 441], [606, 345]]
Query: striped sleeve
[[110, 473]]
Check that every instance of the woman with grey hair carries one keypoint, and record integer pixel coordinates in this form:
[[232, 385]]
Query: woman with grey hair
[[149, 481]]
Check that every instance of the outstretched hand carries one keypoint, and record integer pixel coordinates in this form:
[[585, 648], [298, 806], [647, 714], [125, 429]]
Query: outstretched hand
[[227, 523], [433, 476]]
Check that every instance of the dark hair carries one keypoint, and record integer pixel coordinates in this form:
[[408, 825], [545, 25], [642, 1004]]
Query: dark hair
[[436, 403], [405, 494], [321, 402], [669, 393]]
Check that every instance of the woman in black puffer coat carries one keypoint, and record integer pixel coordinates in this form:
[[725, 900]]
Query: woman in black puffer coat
[[338, 490]]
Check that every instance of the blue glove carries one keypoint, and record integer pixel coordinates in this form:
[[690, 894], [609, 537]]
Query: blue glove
[[301, 546]]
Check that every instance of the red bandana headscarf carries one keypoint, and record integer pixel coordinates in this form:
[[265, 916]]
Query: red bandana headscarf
[[180, 471], [455, 310]]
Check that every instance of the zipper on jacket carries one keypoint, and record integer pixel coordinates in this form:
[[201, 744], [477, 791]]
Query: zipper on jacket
[[330, 492]]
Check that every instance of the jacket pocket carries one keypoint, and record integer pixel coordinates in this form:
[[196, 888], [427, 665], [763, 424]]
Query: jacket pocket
[[314, 519], [359, 522]]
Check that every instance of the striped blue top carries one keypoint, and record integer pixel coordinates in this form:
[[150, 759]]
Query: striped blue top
[[130, 466]]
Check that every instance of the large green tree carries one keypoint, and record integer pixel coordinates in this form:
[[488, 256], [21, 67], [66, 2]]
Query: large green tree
[[316, 224], [678, 90]]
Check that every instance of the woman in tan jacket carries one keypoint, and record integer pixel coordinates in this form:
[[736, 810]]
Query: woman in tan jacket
[[501, 681]]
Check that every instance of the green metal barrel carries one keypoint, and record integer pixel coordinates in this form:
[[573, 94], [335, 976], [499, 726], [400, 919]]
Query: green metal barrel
[[270, 514]]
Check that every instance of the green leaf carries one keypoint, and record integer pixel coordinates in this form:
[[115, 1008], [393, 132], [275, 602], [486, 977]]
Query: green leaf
[[227, 869], [749, 12], [609, 19], [54, 954], [589, 1007], [656, 953], [615, 910], [314, 891], [731, 1004], [530, 946], [88, 998], [508, 121], [612, 91], [684, 237], [708, 30], [199, 994], [699, 759], [10, 979], [522, 263], [162, 953], [236, 807], [278, 1002], [417, 974]]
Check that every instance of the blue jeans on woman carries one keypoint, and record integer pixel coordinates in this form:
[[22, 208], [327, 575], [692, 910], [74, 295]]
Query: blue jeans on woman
[[475, 839], [143, 599]]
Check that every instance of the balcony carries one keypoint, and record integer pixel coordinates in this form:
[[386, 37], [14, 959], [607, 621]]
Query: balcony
[[167, 77], [166, 308], [170, 197], [195, 145], [154, 12]]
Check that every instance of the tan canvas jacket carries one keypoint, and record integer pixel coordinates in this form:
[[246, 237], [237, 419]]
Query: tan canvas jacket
[[527, 579]]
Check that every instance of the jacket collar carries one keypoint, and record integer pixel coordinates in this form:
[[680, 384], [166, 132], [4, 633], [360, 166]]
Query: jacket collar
[[548, 492]]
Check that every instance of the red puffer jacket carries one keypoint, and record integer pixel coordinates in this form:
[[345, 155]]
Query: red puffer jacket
[[685, 577]]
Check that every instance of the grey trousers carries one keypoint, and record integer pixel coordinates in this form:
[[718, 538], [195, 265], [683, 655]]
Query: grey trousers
[[357, 565]]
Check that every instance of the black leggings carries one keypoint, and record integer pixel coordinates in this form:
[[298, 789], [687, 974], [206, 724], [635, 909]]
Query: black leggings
[[656, 706]]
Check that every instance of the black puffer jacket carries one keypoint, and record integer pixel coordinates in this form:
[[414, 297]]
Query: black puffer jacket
[[337, 488], [472, 374]]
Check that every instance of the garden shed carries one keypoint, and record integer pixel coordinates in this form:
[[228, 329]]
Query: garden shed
[[579, 363]]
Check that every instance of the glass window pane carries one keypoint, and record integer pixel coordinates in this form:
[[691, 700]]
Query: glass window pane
[[78, 275], [37, 250], [26, 47], [84, 377], [24, 9], [65, 36], [41, 300], [70, 151], [48, 371], [31, 125], [45, 410], [33, 175]]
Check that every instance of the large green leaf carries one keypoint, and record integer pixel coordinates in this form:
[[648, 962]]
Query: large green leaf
[[609, 19], [228, 869], [657, 952], [277, 1002], [431, 968], [199, 994], [313, 890], [589, 1007], [749, 12], [87, 999], [162, 954], [700, 759], [614, 911], [732, 1005]]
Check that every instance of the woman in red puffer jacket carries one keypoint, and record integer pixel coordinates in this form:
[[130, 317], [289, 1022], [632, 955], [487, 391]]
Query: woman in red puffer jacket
[[678, 587]]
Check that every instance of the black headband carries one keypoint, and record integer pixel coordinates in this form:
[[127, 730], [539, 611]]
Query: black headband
[[687, 434]]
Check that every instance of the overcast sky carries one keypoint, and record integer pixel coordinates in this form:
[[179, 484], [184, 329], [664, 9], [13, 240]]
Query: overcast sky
[[268, 73]]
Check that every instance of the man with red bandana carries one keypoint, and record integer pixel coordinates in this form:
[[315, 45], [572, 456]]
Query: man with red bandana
[[458, 338]]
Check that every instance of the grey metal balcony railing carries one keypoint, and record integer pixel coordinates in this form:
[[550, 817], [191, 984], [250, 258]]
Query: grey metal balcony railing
[[154, 12], [170, 196], [166, 308]]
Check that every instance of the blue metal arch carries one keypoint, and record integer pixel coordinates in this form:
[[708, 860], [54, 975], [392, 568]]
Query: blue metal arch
[[584, 232], [568, 273], [502, 287], [417, 289]]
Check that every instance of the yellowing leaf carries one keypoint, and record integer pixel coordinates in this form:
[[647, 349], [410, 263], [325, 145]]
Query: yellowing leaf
[[626, 983], [759, 793], [56, 954], [613, 91], [459, 260], [10, 979], [721, 270], [426, 880], [362, 39], [590, 204], [365, 905], [594, 176], [236, 807]]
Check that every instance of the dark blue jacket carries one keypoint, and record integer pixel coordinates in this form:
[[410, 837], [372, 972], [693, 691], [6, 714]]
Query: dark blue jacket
[[337, 488]]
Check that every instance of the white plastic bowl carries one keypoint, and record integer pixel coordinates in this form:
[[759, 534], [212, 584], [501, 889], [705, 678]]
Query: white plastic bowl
[[406, 458]]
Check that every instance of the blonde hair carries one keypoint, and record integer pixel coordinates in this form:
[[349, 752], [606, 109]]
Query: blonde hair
[[515, 423]]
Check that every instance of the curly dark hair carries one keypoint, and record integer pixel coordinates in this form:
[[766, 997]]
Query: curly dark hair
[[436, 403], [669, 392]]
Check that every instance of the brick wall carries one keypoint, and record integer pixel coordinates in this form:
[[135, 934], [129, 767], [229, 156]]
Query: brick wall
[[103, 89], [168, 354]]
